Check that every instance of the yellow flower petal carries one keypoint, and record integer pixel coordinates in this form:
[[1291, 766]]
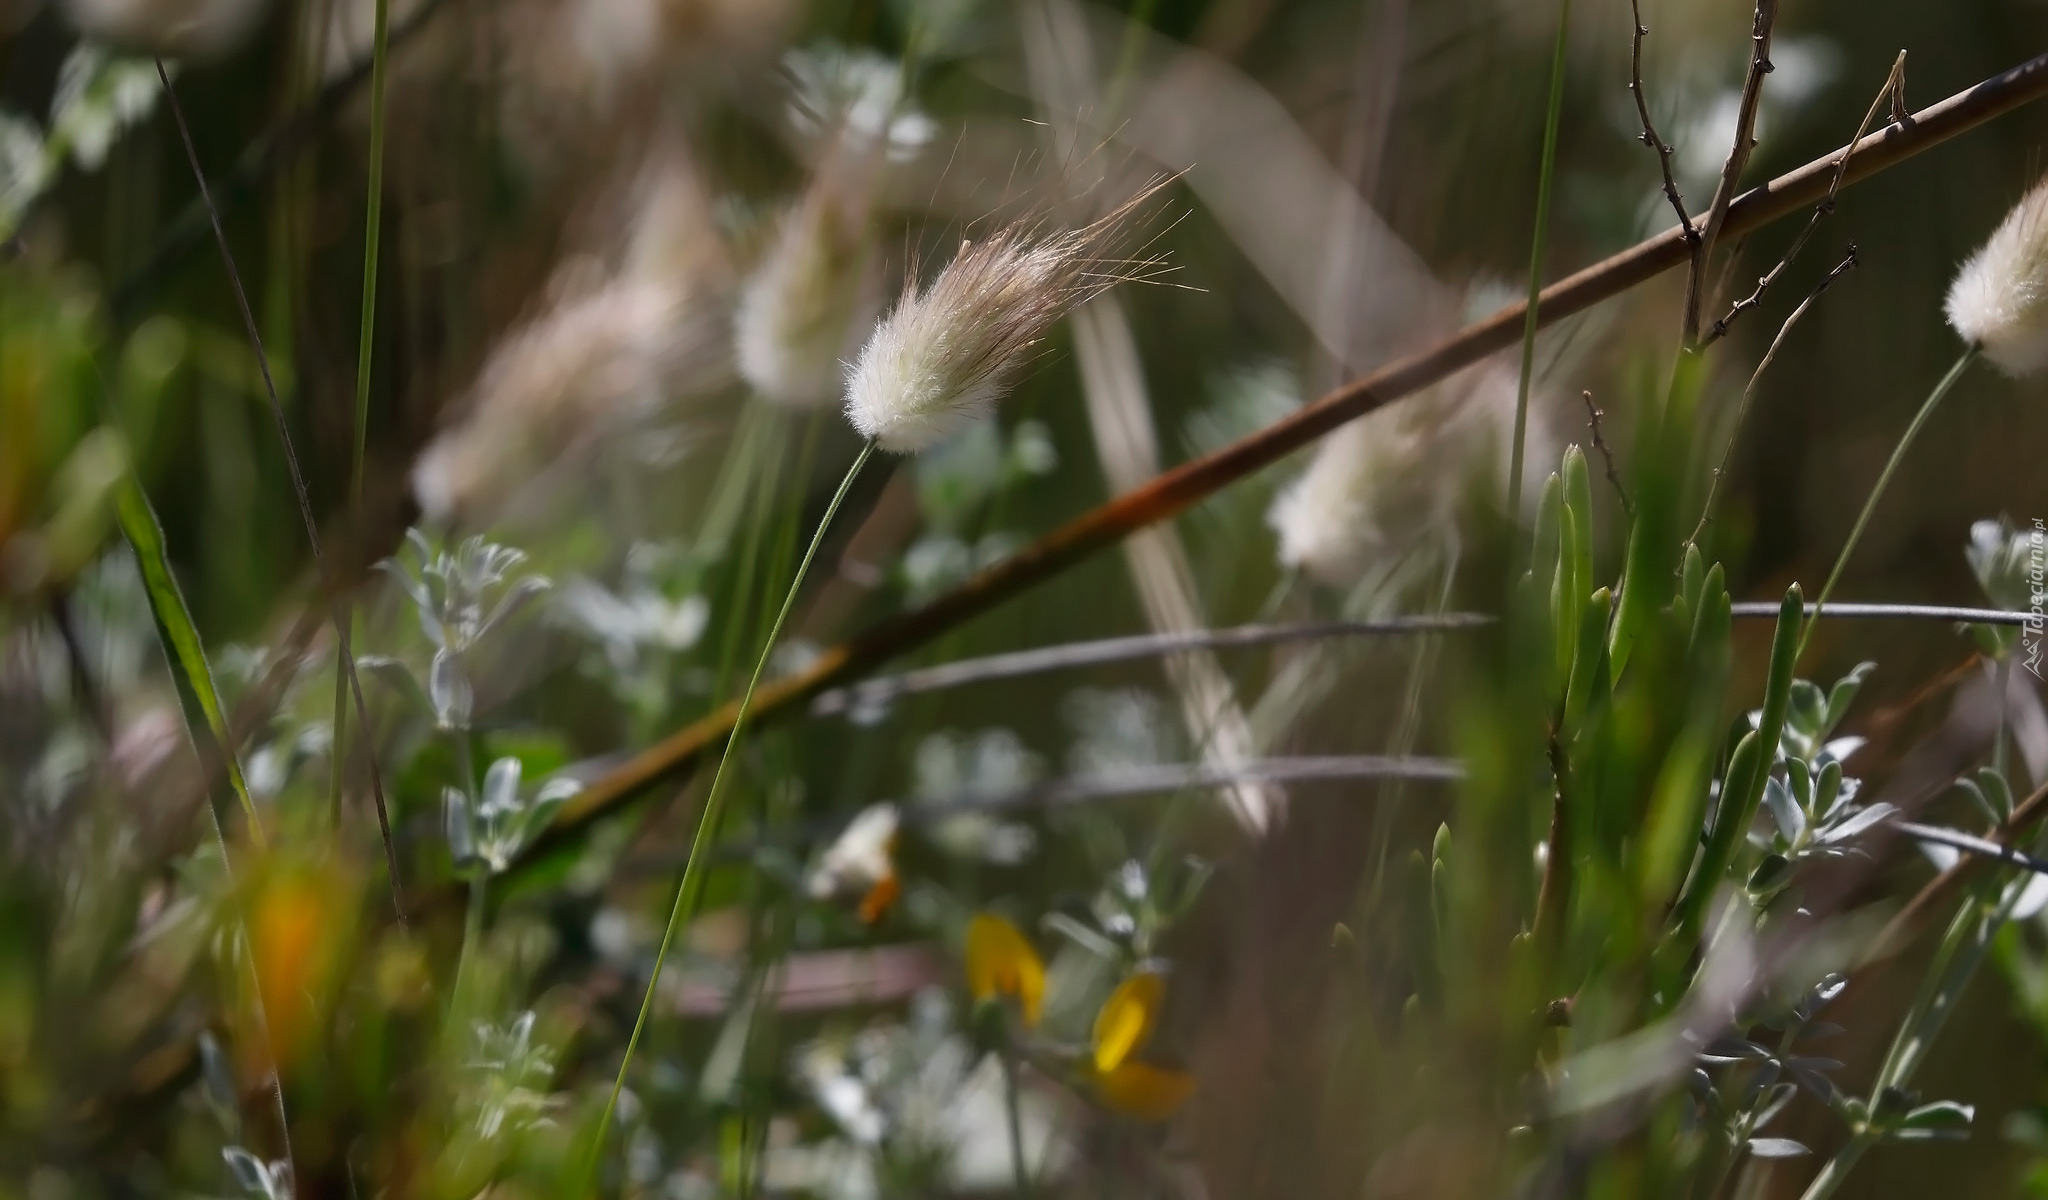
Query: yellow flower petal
[[1126, 1019], [1000, 962], [1143, 1091]]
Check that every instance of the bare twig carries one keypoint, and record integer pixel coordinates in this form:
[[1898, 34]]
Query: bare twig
[[1847, 264], [1888, 612], [291, 457], [1593, 415], [1894, 87], [1906, 924], [884, 689], [1180, 488], [1073, 655], [1731, 170], [1174, 777], [1649, 136], [1956, 839]]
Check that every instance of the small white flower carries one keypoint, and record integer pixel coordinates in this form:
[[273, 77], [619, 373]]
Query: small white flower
[[97, 98], [25, 169], [509, 1076], [269, 1180], [1999, 300], [861, 858], [943, 357]]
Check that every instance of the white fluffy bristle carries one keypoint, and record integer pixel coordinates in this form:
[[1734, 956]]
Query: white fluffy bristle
[[946, 353], [1999, 300], [1384, 483]]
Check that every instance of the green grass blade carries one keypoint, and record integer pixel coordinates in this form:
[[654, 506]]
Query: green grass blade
[[1529, 322], [182, 647]]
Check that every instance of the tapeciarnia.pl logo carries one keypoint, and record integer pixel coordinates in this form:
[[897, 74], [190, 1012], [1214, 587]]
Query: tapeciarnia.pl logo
[[2037, 594]]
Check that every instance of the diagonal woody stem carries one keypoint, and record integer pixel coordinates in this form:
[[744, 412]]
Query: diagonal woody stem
[[1182, 487], [1715, 223]]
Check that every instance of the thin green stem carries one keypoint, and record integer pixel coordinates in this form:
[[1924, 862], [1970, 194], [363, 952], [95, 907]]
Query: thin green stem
[[1884, 479], [1551, 120], [373, 222], [707, 822], [1013, 1105], [738, 623], [472, 937], [1955, 962]]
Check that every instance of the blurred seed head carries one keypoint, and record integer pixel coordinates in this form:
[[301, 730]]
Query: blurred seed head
[[1386, 484], [947, 352], [609, 360], [595, 359], [186, 29], [1999, 300], [800, 311]]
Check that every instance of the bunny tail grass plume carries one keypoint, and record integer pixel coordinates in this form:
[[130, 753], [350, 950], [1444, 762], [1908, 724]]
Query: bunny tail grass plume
[[1999, 300], [623, 345], [593, 367], [1387, 483], [188, 29], [945, 354], [798, 312]]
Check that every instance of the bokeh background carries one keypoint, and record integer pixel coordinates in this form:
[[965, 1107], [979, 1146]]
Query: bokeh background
[[575, 194]]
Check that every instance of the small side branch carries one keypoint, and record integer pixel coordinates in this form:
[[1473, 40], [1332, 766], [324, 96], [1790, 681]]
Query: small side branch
[[1649, 136], [1842, 268], [1761, 23], [1593, 415], [1894, 88], [1956, 839]]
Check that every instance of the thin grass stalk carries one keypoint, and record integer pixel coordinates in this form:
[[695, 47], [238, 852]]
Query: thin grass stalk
[[472, 937], [373, 221], [1884, 479], [707, 822], [1532, 310], [207, 726], [1182, 487], [1749, 392], [366, 334], [1955, 961], [784, 544], [1013, 1106], [1408, 727], [298, 478], [210, 734], [739, 622]]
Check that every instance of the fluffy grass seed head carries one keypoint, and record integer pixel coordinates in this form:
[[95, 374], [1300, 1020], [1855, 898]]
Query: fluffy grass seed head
[[550, 390], [196, 29], [1999, 300], [948, 351], [799, 310], [1380, 486]]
